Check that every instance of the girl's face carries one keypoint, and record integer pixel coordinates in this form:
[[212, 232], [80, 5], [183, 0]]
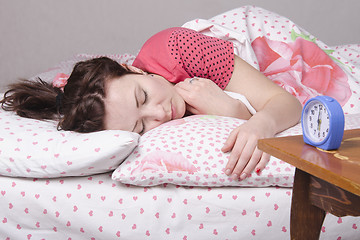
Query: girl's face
[[140, 102]]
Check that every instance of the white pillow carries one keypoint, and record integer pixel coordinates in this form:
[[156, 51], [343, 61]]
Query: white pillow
[[188, 152], [32, 148]]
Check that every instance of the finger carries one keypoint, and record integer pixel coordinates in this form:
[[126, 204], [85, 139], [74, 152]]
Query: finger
[[192, 81], [185, 85], [187, 91], [179, 88], [182, 86], [188, 100], [192, 110], [253, 162], [195, 81], [244, 159], [184, 92], [265, 158], [235, 155], [230, 141]]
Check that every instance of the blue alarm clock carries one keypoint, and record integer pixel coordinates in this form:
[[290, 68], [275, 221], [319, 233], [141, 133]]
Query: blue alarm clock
[[323, 122]]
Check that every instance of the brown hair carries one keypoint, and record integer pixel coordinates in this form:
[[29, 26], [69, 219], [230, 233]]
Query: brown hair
[[82, 107]]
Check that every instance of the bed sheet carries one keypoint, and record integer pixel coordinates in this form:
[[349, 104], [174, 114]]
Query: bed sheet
[[96, 207]]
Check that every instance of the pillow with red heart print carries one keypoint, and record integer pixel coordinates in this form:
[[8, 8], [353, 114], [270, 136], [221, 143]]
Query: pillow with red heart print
[[32, 148], [188, 152]]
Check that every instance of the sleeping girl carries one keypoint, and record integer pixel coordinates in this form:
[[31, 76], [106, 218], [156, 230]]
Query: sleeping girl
[[177, 72]]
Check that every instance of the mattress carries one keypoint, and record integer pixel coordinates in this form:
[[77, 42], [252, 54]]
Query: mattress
[[96, 207]]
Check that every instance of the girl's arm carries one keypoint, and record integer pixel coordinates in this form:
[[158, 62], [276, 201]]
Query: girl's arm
[[276, 109]]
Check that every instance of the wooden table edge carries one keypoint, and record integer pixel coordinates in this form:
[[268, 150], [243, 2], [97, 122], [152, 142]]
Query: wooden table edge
[[307, 166]]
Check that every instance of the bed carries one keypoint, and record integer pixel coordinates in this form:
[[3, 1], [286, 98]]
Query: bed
[[168, 183]]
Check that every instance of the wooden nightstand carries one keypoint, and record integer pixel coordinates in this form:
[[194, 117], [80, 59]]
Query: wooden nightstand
[[325, 181]]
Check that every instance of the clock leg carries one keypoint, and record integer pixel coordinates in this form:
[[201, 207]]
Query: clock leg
[[306, 219]]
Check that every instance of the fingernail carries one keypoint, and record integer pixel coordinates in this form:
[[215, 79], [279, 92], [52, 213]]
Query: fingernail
[[257, 170], [243, 176], [235, 176], [227, 171]]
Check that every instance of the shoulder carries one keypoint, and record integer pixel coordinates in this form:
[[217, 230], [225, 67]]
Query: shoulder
[[161, 40], [167, 34], [164, 38], [156, 56]]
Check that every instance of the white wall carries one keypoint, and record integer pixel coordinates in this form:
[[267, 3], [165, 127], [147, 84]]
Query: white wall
[[37, 34]]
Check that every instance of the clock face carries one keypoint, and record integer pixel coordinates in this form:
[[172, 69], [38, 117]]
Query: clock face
[[316, 121]]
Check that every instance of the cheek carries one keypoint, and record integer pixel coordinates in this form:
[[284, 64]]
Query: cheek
[[164, 88]]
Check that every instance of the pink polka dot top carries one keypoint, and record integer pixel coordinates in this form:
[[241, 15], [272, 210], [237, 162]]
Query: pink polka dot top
[[179, 53]]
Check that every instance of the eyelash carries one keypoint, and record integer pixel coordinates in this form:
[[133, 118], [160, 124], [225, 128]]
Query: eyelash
[[145, 100], [145, 96], [142, 131]]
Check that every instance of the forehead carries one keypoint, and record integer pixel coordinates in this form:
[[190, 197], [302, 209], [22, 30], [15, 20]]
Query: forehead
[[120, 103]]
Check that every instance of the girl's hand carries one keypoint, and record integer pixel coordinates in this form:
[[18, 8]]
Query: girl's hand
[[203, 96], [276, 109], [245, 156]]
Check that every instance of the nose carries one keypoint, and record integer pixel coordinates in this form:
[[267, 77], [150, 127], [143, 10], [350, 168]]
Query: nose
[[154, 116]]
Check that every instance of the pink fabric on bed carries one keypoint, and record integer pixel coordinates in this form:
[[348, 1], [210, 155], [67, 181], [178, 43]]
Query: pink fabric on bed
[[187, 152], [323, 69], [300, 67]]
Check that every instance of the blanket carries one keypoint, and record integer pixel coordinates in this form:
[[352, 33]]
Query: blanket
[[289, 55]]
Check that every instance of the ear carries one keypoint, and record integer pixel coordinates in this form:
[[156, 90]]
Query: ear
[[133, 69]]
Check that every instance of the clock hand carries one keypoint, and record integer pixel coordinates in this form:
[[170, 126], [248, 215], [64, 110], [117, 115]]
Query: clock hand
[[319, 120]]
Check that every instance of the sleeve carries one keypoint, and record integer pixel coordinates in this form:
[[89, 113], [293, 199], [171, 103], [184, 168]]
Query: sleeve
[[180, 53]]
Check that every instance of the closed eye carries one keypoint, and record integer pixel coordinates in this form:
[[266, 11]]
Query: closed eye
[[143, 129], [144, 102], [145, 96], [137, 101]]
